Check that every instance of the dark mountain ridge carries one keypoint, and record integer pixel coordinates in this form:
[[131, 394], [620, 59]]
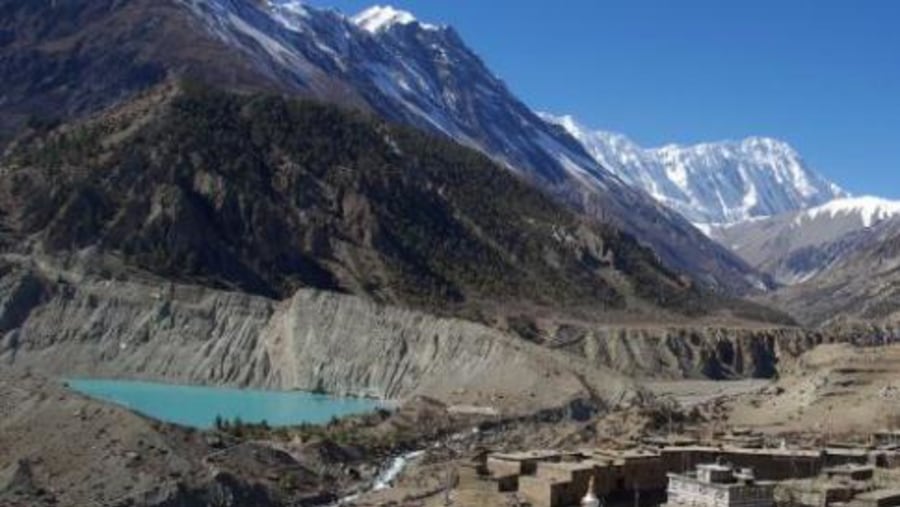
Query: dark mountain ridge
[[66, 58], [266, 195]]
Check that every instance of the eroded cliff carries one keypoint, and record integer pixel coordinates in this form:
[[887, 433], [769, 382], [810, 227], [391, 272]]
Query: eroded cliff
[[315, 340]]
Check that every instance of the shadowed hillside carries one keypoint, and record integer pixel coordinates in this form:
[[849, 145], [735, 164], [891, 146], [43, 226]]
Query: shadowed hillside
[[267, 195]]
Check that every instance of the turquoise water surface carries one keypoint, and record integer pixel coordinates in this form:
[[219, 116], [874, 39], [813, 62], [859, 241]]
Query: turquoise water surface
[[198, 406]]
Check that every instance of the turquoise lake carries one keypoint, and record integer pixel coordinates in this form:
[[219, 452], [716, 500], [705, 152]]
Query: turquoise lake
[[198, 407]]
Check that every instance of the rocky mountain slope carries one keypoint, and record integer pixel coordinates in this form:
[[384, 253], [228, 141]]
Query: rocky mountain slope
[[711, 183], [61, 324], [68, 58], [62, 449], [861, 284], [795, 247], [266, 195]]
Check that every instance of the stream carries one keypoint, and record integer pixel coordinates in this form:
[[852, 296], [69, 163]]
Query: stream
[[386, 477]]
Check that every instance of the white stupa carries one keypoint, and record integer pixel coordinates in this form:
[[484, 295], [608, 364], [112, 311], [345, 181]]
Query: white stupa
[[590, 499]]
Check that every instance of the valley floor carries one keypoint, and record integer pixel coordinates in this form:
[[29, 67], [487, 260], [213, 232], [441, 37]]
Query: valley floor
[[834, 395], [832, 390], [64, 449], [466, 389]]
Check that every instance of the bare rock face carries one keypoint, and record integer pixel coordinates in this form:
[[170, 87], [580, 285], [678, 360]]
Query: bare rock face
[[109, 328], [707, 352], [347, 343], [314, 341], [19, 293], [344, 344]]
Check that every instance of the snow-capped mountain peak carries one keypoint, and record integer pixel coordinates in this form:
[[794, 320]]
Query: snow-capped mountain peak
[[293, 6], [711, 183], [797, 246], [425, 76], [613, 151], [567, 121], [868, 209], [381, 17]]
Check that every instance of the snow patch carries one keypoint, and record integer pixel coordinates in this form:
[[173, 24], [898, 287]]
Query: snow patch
[[381, 17], [720, 182], [869, 209]]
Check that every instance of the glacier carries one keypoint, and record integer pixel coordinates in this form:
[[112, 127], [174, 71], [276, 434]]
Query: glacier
[[715, 183]]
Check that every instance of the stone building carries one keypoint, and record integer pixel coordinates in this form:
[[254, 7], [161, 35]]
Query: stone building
[[549, 478], [717, 485], [886, 438], [561, 480], [770, 464]]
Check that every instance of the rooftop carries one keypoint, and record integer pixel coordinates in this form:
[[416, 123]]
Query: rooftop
[[530, 455], [843, 451], [587, 464], [626, 454]]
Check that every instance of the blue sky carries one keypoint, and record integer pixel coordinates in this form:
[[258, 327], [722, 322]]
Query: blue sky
[[823, 75]]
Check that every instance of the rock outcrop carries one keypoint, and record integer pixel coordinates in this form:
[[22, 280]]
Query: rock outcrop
[[707, 352], [63, 324], [315, 341]]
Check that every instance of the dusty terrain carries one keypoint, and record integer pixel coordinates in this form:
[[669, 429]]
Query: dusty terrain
[[60, 448], [833, 393], [64, 449], [691, 393], [832, 390]]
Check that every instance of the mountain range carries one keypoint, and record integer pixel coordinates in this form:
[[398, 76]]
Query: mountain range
[[859, 283], [382, 61], [827, 251], [711, 183], [265, 195], [795, 247], [717, 213]]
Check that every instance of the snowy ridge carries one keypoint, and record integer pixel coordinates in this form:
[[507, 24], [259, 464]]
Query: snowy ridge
[[711, 183], [614, 151], [427, 77], [798, 246], [381, 17], [868, 209], [422, 74]]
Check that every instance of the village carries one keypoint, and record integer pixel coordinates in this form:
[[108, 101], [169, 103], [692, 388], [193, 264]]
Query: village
[[738, 469], [697, 476], [697, 443]]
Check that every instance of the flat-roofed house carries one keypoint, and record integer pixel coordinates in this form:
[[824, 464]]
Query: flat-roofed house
[[718, 485]]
